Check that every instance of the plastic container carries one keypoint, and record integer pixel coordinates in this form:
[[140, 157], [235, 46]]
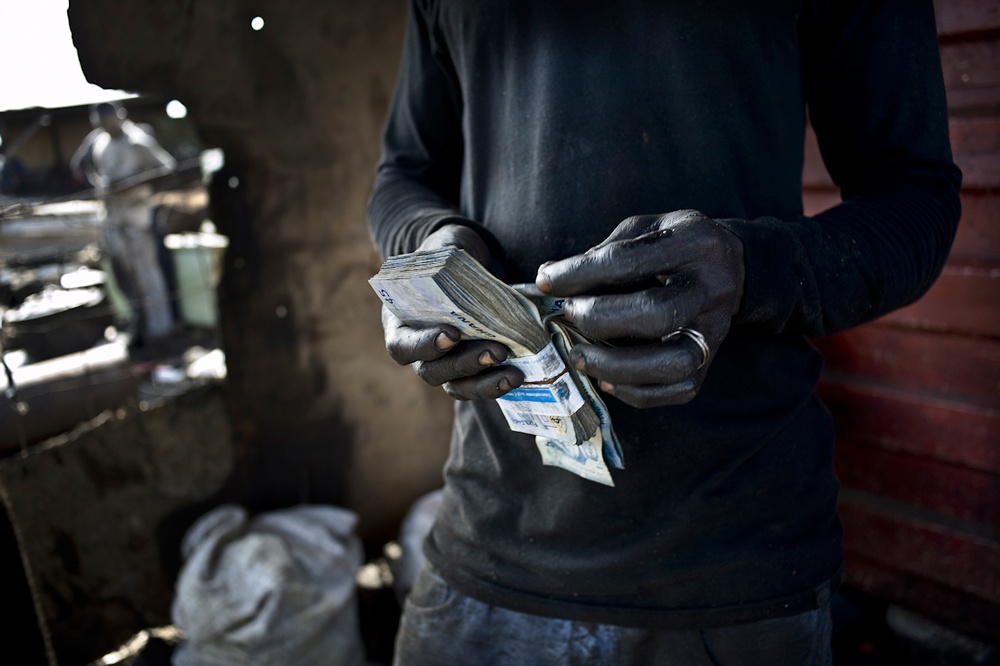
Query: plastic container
[[197, 259]]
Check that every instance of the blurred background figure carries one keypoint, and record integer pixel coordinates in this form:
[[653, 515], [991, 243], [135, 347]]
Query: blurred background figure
[[120, 159], [12, 174]]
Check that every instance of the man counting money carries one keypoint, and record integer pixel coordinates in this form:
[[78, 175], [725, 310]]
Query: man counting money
[[644, 160]]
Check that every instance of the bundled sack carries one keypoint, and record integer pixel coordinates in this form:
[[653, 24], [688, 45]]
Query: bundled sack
[[275, 589], [412, 532]]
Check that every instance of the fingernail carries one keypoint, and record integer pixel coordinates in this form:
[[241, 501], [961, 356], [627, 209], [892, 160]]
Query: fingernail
[[503, 385], [579, 361], [607, 387], [486, 359], [568, 310], [444, 342], [543, 282]]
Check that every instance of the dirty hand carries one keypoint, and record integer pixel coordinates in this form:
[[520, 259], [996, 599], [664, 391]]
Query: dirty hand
[[467, 370], [681, 272]]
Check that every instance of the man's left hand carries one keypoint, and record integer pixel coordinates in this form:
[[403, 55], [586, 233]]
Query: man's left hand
[[696, 268]]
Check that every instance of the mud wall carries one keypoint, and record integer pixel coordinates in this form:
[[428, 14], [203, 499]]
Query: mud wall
[[319, 413]]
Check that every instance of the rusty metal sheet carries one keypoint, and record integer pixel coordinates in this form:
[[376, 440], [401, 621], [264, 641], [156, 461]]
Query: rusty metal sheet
[[972, 75], [963, 300], [956, 367], [948, 606], [100, 515], [923, 549], [946, 488], [978, 237], [975, 140], [906, 421], [966, 18]]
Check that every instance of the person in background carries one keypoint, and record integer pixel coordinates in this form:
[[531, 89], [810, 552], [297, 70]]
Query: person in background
[[118, 157], [643, 159], [12, 174]]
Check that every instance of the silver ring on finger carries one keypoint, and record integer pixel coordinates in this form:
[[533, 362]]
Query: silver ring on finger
[[698, 339]]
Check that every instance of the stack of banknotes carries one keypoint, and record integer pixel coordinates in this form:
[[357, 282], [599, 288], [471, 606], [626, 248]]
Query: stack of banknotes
[[556, 403]]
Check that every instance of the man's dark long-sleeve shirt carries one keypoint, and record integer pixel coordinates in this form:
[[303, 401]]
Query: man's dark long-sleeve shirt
[[543, 124]]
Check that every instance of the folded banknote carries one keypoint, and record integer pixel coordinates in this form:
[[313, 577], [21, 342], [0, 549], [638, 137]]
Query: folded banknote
[[556, 403]]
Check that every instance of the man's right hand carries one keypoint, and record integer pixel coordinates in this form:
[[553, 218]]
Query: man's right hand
[[467, 370]]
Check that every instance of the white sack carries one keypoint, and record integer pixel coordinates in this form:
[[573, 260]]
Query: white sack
[[412, 532], [275, 589]]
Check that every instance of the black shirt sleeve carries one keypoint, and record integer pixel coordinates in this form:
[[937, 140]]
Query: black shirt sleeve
[[418, 179], [875, 94], [873, 85]]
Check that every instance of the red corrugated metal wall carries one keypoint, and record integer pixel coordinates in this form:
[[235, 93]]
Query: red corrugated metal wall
[[916, 395]]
